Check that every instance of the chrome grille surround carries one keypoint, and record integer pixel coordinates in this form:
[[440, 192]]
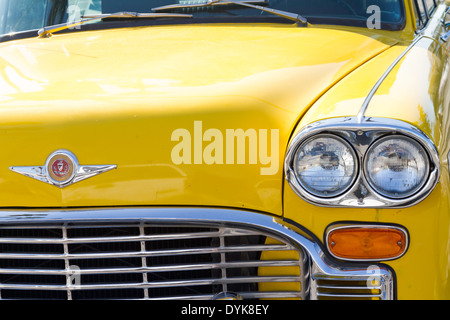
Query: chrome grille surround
[[65, 247]]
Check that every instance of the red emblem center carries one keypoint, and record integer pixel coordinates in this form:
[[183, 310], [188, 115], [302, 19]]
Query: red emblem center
[[60, 167]]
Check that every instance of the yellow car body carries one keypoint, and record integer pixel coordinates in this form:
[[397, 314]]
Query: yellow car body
[[116, 96]]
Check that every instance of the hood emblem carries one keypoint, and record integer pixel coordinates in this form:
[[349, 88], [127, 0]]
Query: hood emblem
[[62, 169]]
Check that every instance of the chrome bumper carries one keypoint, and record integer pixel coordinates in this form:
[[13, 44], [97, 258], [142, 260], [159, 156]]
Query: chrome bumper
[[321, 276]]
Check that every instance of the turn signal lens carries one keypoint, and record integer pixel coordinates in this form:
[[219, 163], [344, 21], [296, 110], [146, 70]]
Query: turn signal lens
[[367, 242]]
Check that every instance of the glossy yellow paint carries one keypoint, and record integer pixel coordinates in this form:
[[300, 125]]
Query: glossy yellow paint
[[69, 92], [416, 91]]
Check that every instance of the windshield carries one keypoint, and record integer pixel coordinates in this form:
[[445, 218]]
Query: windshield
[[23, 15]]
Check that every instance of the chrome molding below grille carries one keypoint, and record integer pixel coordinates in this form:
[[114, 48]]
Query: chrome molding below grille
[[166, 253]]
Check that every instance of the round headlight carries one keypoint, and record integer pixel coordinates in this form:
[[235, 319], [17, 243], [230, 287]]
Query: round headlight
[[325, 165], [396, 166]]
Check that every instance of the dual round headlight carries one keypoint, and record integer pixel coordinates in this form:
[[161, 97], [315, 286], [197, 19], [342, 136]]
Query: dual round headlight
[[395, 166], [325, 165]]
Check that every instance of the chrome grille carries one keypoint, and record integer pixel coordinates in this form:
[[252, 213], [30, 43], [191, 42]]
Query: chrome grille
[[371, 287], [145, 261]]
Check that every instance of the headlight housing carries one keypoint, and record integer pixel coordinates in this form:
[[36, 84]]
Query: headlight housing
[[369, 162], [325, 165], [396, 166]]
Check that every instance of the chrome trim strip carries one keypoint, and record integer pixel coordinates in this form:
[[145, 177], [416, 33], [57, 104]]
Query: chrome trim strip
[[139, 254], [339, 226], [448, 162], [322, 265], [154, 284], [350, 296], [361, 135], [334, 287], [365, 105], [244, 295], [203, 266], [197, 235]]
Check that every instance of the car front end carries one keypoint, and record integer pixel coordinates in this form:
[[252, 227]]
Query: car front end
[[224, 152]]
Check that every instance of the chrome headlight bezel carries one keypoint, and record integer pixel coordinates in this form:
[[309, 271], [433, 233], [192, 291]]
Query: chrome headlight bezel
[[361, 135]]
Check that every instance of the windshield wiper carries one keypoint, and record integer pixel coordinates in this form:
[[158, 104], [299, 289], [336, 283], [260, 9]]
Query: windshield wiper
[[48, 31], [247, 3]]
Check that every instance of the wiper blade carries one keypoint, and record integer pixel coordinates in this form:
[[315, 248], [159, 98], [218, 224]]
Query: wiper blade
[[206, 4], [247, 3], [133, 15], [48, 31]]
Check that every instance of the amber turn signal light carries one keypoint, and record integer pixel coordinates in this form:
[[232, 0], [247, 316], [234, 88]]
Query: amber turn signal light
[[367, 242]]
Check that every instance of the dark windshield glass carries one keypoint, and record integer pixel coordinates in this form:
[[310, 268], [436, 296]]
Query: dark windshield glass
[[22, 15]]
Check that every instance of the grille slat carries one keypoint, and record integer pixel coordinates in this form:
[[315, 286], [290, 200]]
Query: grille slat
[[129, 238], [162, 284], [361, 288], [144, 261], [205, 266], [146, 253], [349, 296], [246, 295], [330, 287]]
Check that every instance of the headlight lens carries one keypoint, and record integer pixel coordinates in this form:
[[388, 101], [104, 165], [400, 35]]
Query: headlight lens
[[396, 166], [325, 165]]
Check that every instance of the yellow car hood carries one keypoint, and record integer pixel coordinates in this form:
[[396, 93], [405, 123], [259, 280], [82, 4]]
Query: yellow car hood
[[119, 97]]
